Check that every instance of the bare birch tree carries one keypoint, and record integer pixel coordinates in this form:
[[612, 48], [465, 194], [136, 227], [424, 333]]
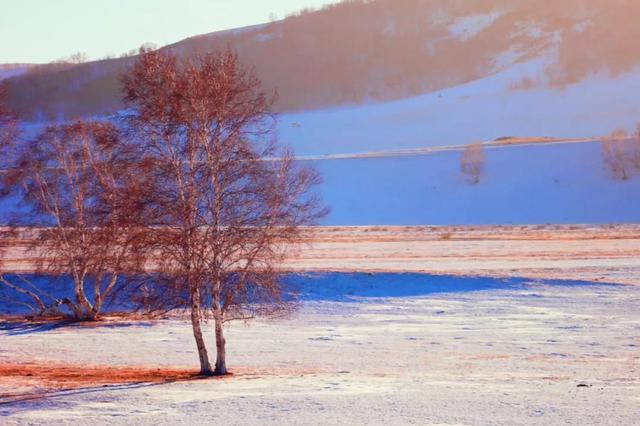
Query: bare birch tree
[[224, 201], [70, 177], [472, 161], [636, 147], [616, 155]]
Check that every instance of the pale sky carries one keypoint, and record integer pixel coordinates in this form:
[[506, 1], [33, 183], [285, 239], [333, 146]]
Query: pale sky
[[45, 30]]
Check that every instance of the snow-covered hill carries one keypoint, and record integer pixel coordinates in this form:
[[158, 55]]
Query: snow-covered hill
[[532, 184], [522, 185], [549, 183], [485, 109], [359, 51], [490, 69]]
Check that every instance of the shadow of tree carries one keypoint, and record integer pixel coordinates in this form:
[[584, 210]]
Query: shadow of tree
[[60, 393], [334, 287], [16, 327], [353, 287]]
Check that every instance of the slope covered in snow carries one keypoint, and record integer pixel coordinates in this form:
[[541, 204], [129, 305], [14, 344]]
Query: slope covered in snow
[[484, 109], [521, 185], [510, 90], [356, 51], [555, 183], [533, 184]]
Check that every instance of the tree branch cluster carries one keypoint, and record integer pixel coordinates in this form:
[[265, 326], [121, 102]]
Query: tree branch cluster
[[191, 184]]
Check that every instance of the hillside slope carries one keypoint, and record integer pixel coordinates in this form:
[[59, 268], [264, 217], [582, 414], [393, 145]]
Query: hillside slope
[[380, 50], [484, 109], [521, 185], [475, 84]]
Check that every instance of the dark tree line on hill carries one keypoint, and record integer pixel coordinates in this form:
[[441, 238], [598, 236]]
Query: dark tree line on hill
[[188, 203]]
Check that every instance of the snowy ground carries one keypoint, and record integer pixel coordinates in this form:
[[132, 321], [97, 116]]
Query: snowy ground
[[523, 184], [369, 349], [607, 253], [540, 184]]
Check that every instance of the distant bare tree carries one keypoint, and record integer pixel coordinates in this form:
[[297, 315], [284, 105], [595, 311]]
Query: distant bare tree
[[615, 153], [472, 161], [78, 58], [635, 147], [223, 200], [147, 47], [71, 177], [130, 53]]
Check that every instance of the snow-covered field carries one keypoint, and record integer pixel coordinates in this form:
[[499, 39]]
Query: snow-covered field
[[521, 185], [583, 253], [449, 351], [541, 184], [521, 325]]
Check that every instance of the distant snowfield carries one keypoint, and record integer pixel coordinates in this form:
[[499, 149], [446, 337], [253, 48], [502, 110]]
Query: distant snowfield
[[532, 184], [486, 109], [521, 185], [369, 349]]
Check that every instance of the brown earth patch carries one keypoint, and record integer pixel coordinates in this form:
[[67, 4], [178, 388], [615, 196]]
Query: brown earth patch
[[29, 381], [33, 380]]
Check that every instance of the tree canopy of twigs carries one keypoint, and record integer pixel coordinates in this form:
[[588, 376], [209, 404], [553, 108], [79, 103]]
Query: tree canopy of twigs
[[71, 178], [618, 153], [472, 162], [222, 200]]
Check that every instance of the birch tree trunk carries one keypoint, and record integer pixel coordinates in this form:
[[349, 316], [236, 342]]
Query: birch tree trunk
[[221, 353], [205, 364]]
